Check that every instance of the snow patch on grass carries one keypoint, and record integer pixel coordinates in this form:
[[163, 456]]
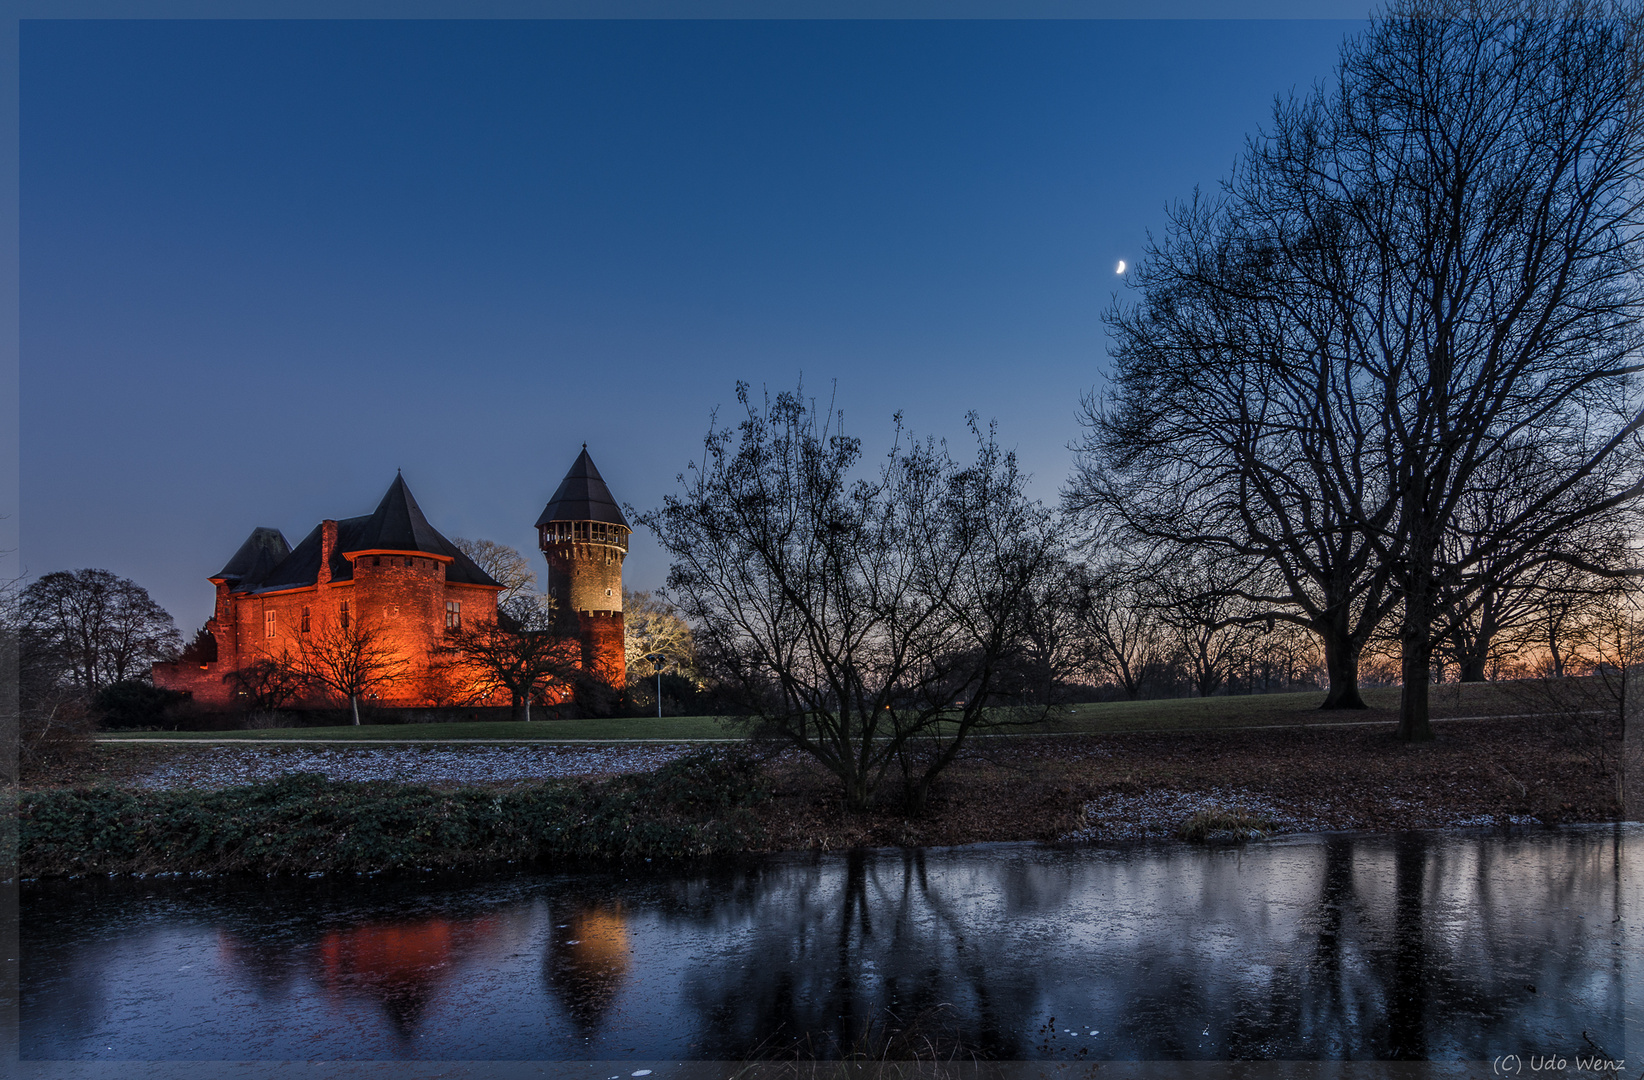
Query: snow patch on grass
[[230, 766]]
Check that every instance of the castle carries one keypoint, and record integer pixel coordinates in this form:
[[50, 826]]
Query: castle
[[394, 573]]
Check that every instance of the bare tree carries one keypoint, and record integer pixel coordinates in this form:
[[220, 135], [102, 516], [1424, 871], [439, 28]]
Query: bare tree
[[1201, 600], [519, 654], [1488, 159], [865, 621], [1120, 632], [46, 709], [1491, 606], [507, 567], [1234, 429], [1050, 660], [104, 628], [265, 686], [350, 661], [651, 625], [1425, 269]]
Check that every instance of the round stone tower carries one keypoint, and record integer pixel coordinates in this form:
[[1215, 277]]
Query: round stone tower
[[585, 538]]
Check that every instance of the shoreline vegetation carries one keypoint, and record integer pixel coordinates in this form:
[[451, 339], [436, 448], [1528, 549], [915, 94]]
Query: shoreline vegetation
[[1100, 781]]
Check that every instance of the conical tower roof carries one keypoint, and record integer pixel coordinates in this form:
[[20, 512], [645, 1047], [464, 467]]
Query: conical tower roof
[[398, 525], [583, 496], [262, 551]]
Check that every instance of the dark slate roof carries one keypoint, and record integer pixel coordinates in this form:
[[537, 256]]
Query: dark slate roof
[[396, 525], [583, 496], [262, 551]]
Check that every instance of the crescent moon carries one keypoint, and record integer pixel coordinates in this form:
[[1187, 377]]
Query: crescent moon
[[1120, 268]]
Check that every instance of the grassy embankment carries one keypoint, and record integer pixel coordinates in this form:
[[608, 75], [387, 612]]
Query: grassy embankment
[[697, 806], [719, 802], [1089, 719]]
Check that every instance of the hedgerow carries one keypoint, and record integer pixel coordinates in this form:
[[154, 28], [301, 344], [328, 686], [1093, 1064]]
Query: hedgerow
[[698, 806]]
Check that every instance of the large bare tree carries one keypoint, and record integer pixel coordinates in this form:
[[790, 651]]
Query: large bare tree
[[1422, 269], [1487, 158], [864, 618], [102, 627]]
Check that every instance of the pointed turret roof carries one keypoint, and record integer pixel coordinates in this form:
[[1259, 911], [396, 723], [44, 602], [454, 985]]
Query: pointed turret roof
[[262, 551], [398, 525], [583, 496]]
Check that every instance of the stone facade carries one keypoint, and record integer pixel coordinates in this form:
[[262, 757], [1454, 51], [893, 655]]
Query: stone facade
[[584, 537]]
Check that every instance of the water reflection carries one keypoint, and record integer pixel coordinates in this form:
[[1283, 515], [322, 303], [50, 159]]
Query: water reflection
[[400, 966], [586, 960], [1422, 946]]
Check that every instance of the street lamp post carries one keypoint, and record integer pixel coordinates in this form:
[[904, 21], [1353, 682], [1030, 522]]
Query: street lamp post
[[658, 659]]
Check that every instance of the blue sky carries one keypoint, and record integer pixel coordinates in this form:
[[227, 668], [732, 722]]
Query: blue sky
[[265, 264]]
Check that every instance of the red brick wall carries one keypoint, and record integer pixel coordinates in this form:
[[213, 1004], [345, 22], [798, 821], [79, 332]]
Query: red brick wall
[[406, 603], [604, 651]]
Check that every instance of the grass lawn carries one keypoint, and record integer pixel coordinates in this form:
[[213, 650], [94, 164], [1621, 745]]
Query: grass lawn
[[1448, 700], [1256, 710], [682, 728]]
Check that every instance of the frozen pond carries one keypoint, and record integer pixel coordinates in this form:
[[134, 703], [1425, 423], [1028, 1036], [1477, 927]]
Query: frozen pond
[[1453, 946]]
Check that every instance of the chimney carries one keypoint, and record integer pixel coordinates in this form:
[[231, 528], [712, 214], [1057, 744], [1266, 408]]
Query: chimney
[[328, 544]]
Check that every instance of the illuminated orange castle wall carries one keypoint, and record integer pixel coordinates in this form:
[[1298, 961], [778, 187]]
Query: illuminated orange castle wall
[[389, 571], [395, 573]]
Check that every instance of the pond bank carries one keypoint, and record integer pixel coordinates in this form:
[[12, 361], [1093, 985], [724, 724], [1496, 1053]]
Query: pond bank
[[727, 801]]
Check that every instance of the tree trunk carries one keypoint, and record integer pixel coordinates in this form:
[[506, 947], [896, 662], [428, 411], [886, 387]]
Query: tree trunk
[[856, 792], [1417, 666], [918, 796], [354, 707], [527, 708], [1341, 664], [1413, 702], [1472, 667], [1473, 656]]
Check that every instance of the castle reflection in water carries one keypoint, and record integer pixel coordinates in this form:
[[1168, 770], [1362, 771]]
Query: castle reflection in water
[[403, 966]]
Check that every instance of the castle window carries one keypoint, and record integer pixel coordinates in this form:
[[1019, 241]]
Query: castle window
[[408, 560], [305, 620], [342, 615], [453, 615], [376, 560], [268, 624]]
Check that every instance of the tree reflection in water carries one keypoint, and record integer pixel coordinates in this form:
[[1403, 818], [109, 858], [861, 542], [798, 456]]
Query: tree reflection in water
[[1341, 947], [1448, 946]]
